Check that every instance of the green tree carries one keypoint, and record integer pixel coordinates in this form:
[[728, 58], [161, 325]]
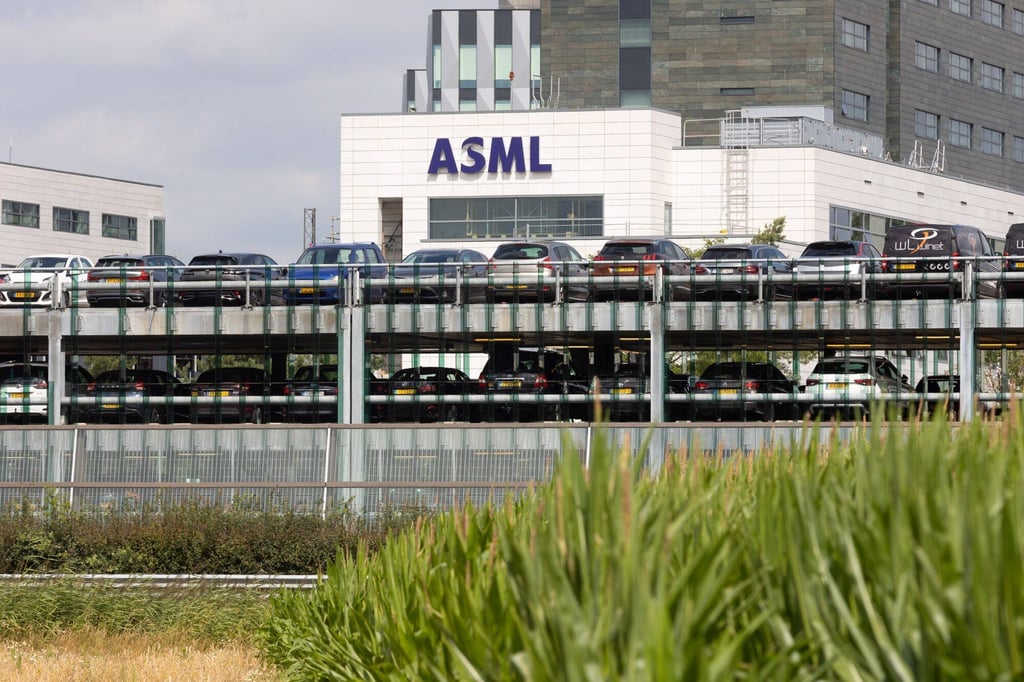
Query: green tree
[[772, 233]]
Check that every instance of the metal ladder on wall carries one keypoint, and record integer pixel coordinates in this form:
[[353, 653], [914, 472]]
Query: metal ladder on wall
[[736, 183]]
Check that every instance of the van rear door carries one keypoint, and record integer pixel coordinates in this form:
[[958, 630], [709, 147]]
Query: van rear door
[[918, 248]]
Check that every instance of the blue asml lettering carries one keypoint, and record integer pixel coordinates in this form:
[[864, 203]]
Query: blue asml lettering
[[501, 157]]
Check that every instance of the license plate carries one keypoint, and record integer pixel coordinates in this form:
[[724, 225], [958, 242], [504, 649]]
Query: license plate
[[405, 391], [510, 383], [217, 394], [728, 391], [624, 270], [516, 286], [113, 280], [407, 290], [621, 391], [111, 406], [19, 396], [306, 290], [24, 294], [1018, 266], [837, 385], [905, 266]]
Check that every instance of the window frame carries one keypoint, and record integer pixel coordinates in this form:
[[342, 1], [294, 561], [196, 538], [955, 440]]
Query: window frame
[[961, 7], [853, 103], [926, 124], [111, 229], [960, 131], [992, 141], [927, 57], [959, 65], [991, 77], [993, 13], [854, 34], [14, 213], [70, 220]]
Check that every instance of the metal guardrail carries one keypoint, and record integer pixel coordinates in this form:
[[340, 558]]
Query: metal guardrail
[[165, 582]]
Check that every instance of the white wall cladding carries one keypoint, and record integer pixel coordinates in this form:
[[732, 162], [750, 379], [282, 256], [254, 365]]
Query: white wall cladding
[[633, 158], [50, 188]]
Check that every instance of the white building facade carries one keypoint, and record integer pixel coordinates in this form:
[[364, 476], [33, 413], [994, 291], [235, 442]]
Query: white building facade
[[477, 179], [51, 211]]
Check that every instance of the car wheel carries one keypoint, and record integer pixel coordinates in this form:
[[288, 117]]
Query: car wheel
[[256, 416], [769, 412], [154, 416], [256, 297], [452, 413]]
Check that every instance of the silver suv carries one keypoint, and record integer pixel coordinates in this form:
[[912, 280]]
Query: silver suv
[[853, 385]]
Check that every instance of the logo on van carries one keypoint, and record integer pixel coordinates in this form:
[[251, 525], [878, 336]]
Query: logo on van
[[920, 240]]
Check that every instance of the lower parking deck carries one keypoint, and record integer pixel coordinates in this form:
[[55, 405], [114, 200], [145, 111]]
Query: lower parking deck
[[974, 339]]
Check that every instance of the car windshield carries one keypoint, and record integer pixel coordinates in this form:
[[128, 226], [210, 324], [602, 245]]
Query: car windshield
[[630, 249], [321, 373], [214, 260], [726, 254], [42, 262], [431, 257], [327, 256], [18, 371], [118, 262], [843, 367], [520, 252], [724, 371], [829, 249]]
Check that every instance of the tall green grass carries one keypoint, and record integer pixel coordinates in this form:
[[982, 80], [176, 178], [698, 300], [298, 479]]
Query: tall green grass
[[894, 556]]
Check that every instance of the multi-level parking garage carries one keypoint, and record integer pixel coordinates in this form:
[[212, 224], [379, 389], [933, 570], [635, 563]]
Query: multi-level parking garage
[[943, 334], [366, 467]]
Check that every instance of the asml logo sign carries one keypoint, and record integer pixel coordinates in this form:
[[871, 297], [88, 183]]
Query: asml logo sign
[[502, 156]]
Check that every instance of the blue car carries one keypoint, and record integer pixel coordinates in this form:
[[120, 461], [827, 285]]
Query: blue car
[[320, 273]]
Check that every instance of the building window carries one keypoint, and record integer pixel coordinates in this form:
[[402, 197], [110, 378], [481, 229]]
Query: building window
[[1018, 22], [730, 21], [1018, 149], [849, 223], [930, 2], [926, 125], [991, 77], [960, 7], [503, 66], [960, 133], [992, 13], [70, 220], [20, 213], [991, 142], [634, 76], [960, 67], [1018, 85], [120, 227], [436, 67], [926, 57], [855, 34], [635, 33], [855, 105], [516, 217], [735, 92]]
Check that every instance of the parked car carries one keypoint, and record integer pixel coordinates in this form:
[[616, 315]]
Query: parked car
[[144, 395], [317, 388], [431, 276], [625, 268], [25, 389], [745, 390], [34, 276], [320, 273], [141, 280], [941, 392], [244, 388], [1014, 261], [747, 267], [939, 252], [232, 278], [511, 378], [625, 393], [833, 269], [855, 385], [427, 383], [533, 270]]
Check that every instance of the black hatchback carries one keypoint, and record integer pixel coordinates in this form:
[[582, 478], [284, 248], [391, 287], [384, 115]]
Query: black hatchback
[[231, 279], [741, 271], [744, 391]]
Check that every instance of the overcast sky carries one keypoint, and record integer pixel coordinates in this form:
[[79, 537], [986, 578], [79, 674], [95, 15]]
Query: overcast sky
[[232, 105]]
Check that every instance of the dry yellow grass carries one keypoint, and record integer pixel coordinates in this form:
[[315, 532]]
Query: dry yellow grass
[[92, 656]]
